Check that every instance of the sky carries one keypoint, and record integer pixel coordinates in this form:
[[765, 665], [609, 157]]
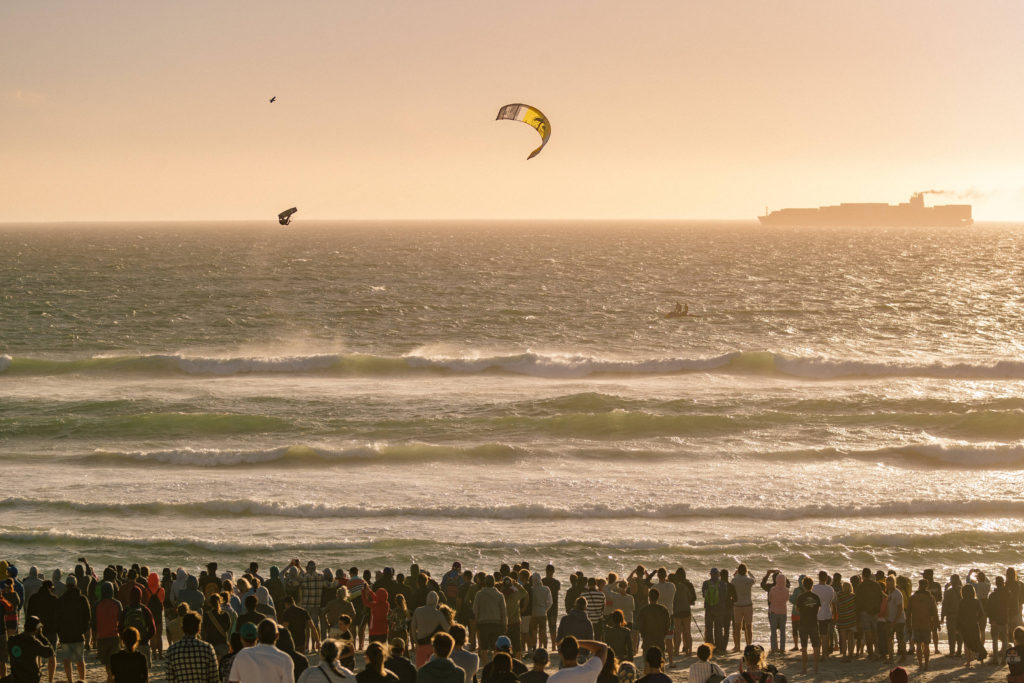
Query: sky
[[659, 109]]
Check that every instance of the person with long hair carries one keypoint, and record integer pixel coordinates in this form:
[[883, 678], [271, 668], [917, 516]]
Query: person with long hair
[[968, 624], [329, 670], [374, 672], [752, 667], [129, 665]]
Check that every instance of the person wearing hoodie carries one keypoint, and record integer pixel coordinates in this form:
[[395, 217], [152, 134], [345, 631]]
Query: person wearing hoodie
[[191, 596], [179, 584], [540, 602], [491, 617], [58, 582], [43, 606], [778, 609], [426, 621], [74, 617], [377, 605], [106, 620], [440, 668], [138, 616], [156, 608], [31, 585], [19, 588]]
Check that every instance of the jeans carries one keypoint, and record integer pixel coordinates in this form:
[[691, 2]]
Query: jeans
[[777, 622]]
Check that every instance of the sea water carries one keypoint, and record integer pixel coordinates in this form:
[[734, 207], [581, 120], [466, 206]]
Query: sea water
[[380, 393]]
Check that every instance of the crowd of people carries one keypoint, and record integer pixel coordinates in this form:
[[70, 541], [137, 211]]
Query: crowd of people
[[480, 627]]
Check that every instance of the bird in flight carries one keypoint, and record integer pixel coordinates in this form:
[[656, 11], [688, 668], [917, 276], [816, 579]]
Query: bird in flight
[[273, 98]]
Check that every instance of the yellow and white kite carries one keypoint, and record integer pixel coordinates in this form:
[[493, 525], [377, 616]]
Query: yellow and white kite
[[530, 116]]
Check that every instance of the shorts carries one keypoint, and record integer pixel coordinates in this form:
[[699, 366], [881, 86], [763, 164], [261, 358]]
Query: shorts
[[71, 652], [867, 622], [824, 626], [810, 633], [106, 647], [922, 636], [743, 614], [488, 634]]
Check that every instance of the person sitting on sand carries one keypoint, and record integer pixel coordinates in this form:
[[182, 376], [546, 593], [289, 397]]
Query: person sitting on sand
[[704, 668]]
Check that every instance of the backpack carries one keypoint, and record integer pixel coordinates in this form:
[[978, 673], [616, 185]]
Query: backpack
[[135, 618], [715, 677], [711, 595]]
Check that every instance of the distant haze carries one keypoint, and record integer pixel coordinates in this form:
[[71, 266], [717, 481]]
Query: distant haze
[[124, 110]]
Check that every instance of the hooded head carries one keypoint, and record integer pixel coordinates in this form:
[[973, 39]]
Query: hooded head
[[263, 596], [135, 595], [3, 569], [432, 599], [780, 579], [192, 583], [107, 590], [79, 571], [381, 594], [33, 572], [275, 573], [536, 580], [12, 571]]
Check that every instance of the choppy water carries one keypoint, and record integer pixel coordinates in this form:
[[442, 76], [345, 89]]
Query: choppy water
[[380, 393]]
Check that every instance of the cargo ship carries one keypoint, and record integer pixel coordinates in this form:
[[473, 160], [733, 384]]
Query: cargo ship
[[910, 213]]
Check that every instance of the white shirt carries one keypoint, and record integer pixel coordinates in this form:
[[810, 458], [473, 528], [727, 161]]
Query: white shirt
[[827, 596], [701, 671], [585, 673], [666, 594], [262, 664]]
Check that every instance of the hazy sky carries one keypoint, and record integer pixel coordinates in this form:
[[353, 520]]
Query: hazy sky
[[158, 109]]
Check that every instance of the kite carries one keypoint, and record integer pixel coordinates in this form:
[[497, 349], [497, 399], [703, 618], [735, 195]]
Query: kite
[[285, 217], [530, 116]]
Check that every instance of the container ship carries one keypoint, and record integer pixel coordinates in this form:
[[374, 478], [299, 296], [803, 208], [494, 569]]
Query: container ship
[[909, 213]]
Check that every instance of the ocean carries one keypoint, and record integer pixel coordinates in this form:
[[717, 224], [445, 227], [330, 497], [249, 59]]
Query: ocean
[[385, 393]]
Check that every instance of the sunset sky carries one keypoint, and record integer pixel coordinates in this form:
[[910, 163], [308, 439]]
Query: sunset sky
[[123, 110]]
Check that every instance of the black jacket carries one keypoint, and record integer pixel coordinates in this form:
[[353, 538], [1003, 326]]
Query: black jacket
[[73, 616]]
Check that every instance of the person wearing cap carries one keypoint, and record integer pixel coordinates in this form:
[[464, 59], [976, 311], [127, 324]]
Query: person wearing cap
[[263, 662], [73, 620], [574, 672], [399, 664], [467, 661], [25, 649], [537, 674], [704, 668], [502, 645]]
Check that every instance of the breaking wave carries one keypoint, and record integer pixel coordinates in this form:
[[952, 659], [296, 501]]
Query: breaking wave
[[530, 363]]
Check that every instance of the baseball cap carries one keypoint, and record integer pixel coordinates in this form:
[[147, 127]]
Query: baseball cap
[[32, 623], [503, 643], [714, 572], [249, 631]]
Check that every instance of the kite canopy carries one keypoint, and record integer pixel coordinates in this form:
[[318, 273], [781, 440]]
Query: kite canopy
[[530, 116], [285, 217]]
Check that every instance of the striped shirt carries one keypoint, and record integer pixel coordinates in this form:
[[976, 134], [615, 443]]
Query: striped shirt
[[701, 670]]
